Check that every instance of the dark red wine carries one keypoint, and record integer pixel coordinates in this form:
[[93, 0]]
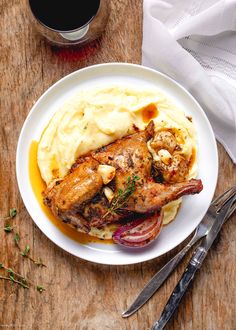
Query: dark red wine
[[64, 15]]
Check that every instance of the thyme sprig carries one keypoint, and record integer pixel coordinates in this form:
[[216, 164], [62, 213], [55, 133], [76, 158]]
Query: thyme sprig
[[12, 214], [10, 229], [19, 279], [40, 288], [11, 275], [25, 253], [122, 195], [12, 279]]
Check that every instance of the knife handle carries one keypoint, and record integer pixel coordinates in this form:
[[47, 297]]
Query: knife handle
[[180, 289], [176, 297]]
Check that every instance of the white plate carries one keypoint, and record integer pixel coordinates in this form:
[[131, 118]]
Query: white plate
[[193, 207]]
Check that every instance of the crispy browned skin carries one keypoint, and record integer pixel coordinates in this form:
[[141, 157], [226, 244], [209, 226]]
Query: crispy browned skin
[[147, 198], [152, 194], [130, 156], [78, 198], [67, 197]]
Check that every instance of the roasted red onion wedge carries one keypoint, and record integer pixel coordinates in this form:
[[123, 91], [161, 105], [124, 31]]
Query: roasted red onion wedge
[[140, 232]]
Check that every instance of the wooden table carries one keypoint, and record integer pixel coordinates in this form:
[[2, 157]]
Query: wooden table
[[83, 295]]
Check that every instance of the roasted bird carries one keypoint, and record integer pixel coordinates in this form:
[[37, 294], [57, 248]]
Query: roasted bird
[[131, 197]]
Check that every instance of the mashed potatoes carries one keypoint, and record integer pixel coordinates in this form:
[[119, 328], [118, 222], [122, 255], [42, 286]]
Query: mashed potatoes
[[96, 117]]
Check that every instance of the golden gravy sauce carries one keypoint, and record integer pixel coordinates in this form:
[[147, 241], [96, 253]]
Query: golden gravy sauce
[[38, 186], [149, 112]]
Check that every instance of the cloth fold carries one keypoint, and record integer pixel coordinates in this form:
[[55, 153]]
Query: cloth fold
[[194, 42]]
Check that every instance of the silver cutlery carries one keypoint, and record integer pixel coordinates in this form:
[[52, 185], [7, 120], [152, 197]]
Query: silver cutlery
[[202, 230], [194, 264]]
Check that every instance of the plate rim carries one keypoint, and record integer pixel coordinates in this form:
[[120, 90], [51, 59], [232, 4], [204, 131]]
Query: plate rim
[[68, 76]]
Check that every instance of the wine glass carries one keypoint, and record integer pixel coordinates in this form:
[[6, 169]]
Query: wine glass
[[70, 22]]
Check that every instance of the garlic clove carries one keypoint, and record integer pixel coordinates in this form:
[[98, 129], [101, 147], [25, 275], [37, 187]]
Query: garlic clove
[[108, 193], [107, 173], [165, 156]]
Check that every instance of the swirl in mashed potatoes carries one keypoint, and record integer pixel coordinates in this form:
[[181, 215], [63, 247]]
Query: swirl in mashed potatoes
[[96, 117]]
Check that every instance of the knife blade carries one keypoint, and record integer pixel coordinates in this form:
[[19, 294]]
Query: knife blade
[[193, 265]]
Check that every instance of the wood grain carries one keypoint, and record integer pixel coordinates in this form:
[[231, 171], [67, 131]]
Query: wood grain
[[83, 295]]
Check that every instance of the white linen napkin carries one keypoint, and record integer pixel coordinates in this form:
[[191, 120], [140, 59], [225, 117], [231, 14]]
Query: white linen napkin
[[194, 42]]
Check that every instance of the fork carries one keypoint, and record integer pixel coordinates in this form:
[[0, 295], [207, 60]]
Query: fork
[[202, 230]]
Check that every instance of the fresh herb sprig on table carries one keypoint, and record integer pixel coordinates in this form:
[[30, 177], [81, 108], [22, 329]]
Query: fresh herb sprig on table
[[11, 275], [12, 214], [19, 279], [25, 253], [8, 228], [122, 195]]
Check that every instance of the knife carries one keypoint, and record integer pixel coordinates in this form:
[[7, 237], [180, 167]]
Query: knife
[[202, 230], [193, 265]]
